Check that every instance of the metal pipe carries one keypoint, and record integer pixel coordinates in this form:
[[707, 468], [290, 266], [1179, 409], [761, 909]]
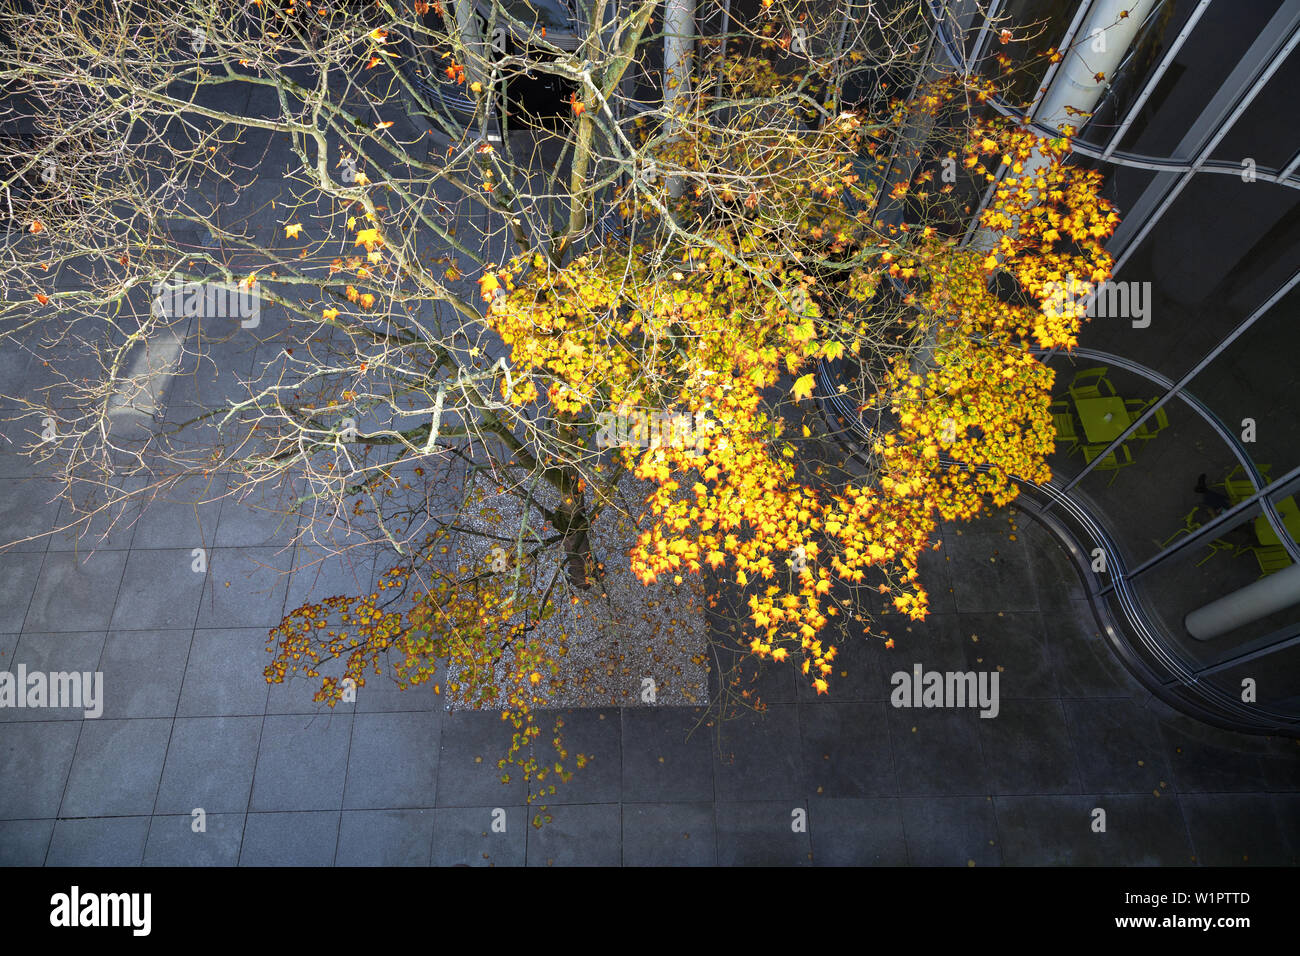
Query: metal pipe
[[1266, 596], [1081, 78], [1086, 71]]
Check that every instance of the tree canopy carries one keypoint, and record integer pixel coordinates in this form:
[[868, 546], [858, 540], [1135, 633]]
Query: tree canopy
[[637, 310]]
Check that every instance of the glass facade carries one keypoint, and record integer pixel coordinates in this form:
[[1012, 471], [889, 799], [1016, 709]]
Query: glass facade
[[1178, 448], [1217, 43]]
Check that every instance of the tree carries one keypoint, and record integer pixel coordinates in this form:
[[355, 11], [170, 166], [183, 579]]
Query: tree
[[488, 348]]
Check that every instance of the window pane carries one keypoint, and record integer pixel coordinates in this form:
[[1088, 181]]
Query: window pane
[[1266, 132], [1148, 50], [1219, 252], [1224, 33], [1253, 386], [1037, 26]]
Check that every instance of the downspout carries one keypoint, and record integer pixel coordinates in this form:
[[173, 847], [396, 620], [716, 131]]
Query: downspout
[[1082, 78], [1246, 605]]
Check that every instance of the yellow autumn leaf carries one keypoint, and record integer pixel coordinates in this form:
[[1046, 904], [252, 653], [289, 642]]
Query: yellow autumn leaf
[[803, 386]]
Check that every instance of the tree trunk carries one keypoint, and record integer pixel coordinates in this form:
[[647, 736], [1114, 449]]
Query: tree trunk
[[580, 565]]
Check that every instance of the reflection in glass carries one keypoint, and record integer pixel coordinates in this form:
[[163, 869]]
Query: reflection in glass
[[1158, 484], [1252, 387], [1218, 253], [1158, 32], [1201, 573], [1223, 34], [1037, 26]]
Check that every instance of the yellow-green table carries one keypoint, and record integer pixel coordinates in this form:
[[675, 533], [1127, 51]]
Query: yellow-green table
[[1104, 419]]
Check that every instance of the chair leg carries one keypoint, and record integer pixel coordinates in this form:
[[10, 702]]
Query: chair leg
[[1172, 537]]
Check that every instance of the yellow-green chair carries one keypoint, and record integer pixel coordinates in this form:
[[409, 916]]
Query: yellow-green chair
[[1091, 383], [1121, 457], [1190, 524], [1216, 546], [1237, 485], [1064, 425], [1271, 558], [1147, 430]]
